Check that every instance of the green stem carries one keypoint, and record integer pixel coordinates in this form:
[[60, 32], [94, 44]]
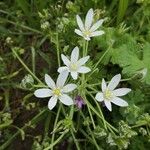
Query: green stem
[[55, 123], [76, 142], [57, 141], [25, 66], [58, 50], [33, 59]]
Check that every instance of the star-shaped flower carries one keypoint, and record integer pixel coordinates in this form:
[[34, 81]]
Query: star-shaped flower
[[110, 94], [74, 66], [88, 29], [56, 91]]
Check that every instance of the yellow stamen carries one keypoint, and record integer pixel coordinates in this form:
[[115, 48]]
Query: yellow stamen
[[87, 33], [57, 92], [108, 94], [73, 67]]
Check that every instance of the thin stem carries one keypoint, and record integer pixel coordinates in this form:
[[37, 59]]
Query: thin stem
[[33, 59], [55, 123], [58, 50], [25, 66], [57, 141], [76, 142]]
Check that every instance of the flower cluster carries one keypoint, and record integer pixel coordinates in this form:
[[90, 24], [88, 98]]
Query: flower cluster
[[75, 65]]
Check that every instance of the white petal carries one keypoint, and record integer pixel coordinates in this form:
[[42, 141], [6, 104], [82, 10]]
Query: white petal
[[108, 105], [99, 97], [62, 79], [65, 99], [52, 102], [97, 25], [87, 38], [74, 75], [75, 54], [49, 81], [42, 93], [69, 88], [65, 60], [78, 32], [97, 33], [103, 85], [121, 91], [114, 82], [83, 60], [84, 69], [120, 102], [61, 69], [80, 23], [89, 19]]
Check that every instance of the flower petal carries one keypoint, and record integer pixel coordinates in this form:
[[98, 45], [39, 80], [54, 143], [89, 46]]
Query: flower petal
[[75, 54], [99, 97], [114, 82], [83, 60], [62, 77], [65, 99], [80, 23], [97, 25], [78, 32], [120, 102], [61, 69], [84, 69], [74, 75], [42, 93], [65, 60], [69, 88], [108, 105], [49, 81], [97, 33], [52, 102], [103, 85], [89, 19], [121, 91]]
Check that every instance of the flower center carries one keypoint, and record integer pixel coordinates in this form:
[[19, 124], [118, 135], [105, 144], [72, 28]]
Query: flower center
[[57, 92], [87, 33], [108, 94], [73, 67]]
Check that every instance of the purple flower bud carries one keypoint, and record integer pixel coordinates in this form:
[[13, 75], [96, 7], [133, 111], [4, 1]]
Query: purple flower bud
[[79, 102]]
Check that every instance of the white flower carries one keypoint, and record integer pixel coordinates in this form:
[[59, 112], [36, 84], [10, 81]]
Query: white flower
[[74, 66], [88, 29], [110, 94], [56, 91]]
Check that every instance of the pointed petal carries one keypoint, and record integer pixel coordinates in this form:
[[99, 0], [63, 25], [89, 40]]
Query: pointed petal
[[75, 54], [97, 25], [69, 88], [61, 69], [87, 38], [97, 33], [84, 69], [103, 85], [65, 99], [89, 19], [114, 82], [62, 77], [49, 81], [42, 93], [83, 60], [78, 32], [121, 91], [52, 102], [80, 23], [65, 60], [99, 97], [108, 105], [120, 102], [74, 75]]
